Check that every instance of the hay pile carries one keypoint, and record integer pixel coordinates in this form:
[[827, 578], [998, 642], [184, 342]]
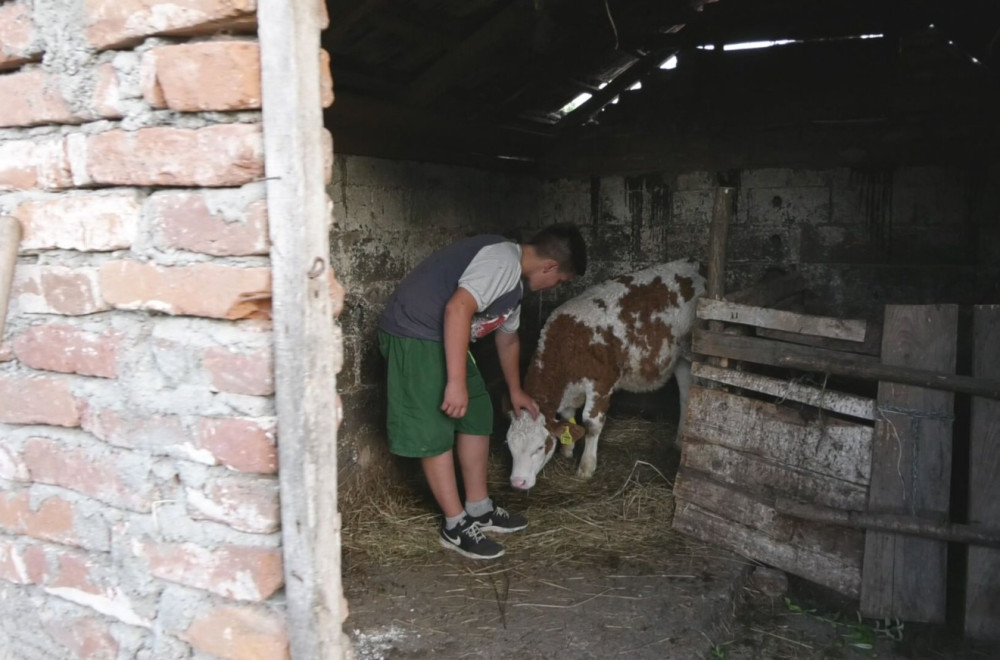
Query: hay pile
[[624, 510]]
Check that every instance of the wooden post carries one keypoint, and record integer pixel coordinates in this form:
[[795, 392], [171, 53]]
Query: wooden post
[[904, 576], [982, 603], [305, 343], [10, 238], [722, 211]]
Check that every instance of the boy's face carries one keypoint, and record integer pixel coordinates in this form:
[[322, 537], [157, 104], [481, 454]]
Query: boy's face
[[548, 276]]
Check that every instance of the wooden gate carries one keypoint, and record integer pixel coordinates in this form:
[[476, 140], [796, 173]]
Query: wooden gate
[[848, 490]]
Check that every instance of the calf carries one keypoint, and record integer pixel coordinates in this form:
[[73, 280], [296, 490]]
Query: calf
[[623, 334]]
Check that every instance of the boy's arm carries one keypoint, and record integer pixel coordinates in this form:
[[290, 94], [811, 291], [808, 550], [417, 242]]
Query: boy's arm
[[458, 315], [509, 350]]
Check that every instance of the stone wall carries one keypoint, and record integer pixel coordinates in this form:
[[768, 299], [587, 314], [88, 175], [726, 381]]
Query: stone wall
[[138, 468]]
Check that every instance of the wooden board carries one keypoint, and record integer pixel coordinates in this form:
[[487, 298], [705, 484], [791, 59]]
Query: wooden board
[[761, 317], [825, 448], [904, 576], [781, 354], [740, 521], [845, 404], [982, 602]]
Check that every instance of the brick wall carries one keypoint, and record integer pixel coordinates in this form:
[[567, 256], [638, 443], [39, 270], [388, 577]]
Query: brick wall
[[138, 466]]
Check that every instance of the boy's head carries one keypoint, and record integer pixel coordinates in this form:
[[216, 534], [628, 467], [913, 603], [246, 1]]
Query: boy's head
[[559, 253]]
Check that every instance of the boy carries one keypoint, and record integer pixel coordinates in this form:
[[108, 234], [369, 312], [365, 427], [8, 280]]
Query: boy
[[437, 397]]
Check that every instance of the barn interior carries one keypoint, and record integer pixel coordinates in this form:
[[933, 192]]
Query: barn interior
[[860, 137]]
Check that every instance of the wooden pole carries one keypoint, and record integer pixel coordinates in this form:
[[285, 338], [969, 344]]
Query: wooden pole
[[304, 339], [883, 522], [722, 211], [10, 238]]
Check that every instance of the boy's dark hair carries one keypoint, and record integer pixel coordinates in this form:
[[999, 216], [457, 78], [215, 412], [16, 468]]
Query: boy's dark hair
[[564, 243]]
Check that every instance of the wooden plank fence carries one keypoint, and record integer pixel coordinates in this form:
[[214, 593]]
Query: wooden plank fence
[[846, 490]]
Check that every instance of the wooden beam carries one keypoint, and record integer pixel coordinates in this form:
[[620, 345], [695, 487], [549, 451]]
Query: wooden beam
[[982, 606], [903, 576], [623, 81], [305, 344], [780, 354], [761, 317], [10, 240], [838, 402], [468, 55], [885, 522]]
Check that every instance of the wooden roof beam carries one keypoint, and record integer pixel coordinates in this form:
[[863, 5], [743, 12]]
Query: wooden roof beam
[[468, 55]]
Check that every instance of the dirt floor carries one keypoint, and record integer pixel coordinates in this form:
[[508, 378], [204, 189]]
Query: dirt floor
[[599, 573]]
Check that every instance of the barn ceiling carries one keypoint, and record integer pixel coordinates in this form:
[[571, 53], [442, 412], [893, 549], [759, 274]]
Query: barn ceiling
[[555, 85]]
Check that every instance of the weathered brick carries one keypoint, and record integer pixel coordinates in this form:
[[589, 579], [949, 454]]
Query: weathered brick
[[13, 565], [6, 352], [210, 75], [111, 23], [239, 634], [185, 221], [237, 572], [85, 638], [115, 478], [107, 98], [80, 579], [162, 435], [12, 467], [198, 290], [89, 223], [30, 164], [67, 349], [240, 373], [18, 42], [37, 400], [32, 98], [52, 521], [214, 156], [242, 444], [327, 138], [57, 290], [325, 79], [244, 503]]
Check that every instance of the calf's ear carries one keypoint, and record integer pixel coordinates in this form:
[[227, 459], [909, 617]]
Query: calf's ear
[[576, 432]]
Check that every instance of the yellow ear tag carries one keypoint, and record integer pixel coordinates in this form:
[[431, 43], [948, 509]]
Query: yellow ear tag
[[567, 438]]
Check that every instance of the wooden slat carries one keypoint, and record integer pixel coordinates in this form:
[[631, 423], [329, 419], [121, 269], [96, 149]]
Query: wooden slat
[[903, 576], [887, 522], [733, 519], [872, 345], [765, 448], [982, 602], [820, 326], [838, 402], [779, 354]]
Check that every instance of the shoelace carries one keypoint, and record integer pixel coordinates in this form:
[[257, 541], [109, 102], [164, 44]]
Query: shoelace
[[500, 512], [474, 532]]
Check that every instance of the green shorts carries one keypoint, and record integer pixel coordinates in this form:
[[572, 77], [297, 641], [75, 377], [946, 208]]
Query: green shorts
[[416, 380]]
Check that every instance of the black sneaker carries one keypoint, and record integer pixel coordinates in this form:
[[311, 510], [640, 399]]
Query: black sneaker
[[467, 538], [501, 521]]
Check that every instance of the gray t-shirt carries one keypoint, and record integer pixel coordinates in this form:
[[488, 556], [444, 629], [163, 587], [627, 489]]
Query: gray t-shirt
[[488, 267]]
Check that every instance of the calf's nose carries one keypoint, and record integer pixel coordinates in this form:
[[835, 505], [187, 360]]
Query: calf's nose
[[519, 483]]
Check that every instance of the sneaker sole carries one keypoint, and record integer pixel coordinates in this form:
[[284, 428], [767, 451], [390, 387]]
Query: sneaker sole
[[503, 530], [470, 555]]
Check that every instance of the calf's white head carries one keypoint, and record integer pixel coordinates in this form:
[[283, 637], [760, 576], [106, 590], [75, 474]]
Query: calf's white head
[[532, 443]]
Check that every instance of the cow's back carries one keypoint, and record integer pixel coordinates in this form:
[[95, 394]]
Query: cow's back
[[622, 332]]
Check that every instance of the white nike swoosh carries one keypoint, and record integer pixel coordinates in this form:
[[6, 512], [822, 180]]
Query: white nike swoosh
[[457, 541]]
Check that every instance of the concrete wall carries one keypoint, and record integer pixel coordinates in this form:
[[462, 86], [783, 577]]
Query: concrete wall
[[138, 473], [861, 239]]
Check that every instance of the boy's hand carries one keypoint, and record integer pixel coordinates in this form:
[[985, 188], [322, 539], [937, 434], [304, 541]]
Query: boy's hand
[[456, 399], [520, 400]]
